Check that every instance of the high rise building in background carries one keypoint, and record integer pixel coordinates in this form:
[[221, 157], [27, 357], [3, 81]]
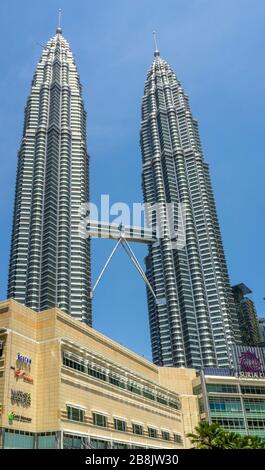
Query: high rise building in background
[[247, 316], [262, 331], [193, 322], [50, 263]]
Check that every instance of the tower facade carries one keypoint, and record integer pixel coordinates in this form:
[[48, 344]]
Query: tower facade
[[49, 262], [193, 321]]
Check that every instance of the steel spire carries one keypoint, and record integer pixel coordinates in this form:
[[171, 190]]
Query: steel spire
[[59, 28], [156, 53]]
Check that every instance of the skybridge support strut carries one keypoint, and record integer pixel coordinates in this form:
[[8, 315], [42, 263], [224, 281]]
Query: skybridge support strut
[[125, 245], [136, 263], [105, 267]]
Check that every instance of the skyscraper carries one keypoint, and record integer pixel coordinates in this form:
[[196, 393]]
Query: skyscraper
[[193, 322], [49, 262], [262, 331], [247, 316]]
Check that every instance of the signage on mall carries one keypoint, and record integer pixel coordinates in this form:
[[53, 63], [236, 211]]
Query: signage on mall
[[14, 417], [250, 362], [250, 375], [21, 374], [20, 398], [24, 359], [250, 366]]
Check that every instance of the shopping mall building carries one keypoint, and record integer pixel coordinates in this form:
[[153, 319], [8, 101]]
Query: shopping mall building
[[64, 385]]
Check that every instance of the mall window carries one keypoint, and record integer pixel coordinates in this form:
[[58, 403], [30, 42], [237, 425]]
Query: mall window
[[70, 441], [73, 364], [99, 444], [174, 404], [225, 405], [99, 420], [114, 380], [137, 429], [221, 388], [162, 399], [18, 439], [134, 388], [47, 440], [254, 405], [75, 414], [118, 381], [98, 374], [148, 394], [256, 423], [245, 389], [232, 423], [119, 424], [177, 438], [152, 432], [165, 435], [120, 445]]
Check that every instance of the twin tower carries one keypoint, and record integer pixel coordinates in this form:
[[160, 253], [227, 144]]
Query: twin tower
[[193, 323]]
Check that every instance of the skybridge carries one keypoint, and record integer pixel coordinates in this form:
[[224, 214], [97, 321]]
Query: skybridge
[[123, 234]]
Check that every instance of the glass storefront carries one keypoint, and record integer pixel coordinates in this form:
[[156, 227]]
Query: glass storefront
[[47, 441], [99, 444], [71, 441], [18, 440], [13, 439]]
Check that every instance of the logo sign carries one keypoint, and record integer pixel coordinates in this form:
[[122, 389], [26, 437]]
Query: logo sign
[[21, 374], [24, 359], [20, 398], [249, 362], [250, 375], [14, 417]]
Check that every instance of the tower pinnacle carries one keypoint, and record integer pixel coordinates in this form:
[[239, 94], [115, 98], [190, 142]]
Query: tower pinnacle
[[59, 29], [156, 53]]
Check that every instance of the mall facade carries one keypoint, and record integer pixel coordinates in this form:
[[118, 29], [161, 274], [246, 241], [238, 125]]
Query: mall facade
[[64, 385], [233, 398]]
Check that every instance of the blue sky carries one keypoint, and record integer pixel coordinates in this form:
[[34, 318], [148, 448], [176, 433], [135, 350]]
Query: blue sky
[[217, 50]]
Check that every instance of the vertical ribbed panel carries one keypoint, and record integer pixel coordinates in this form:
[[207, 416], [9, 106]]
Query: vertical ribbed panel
[[50, 263], [194, 322]]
